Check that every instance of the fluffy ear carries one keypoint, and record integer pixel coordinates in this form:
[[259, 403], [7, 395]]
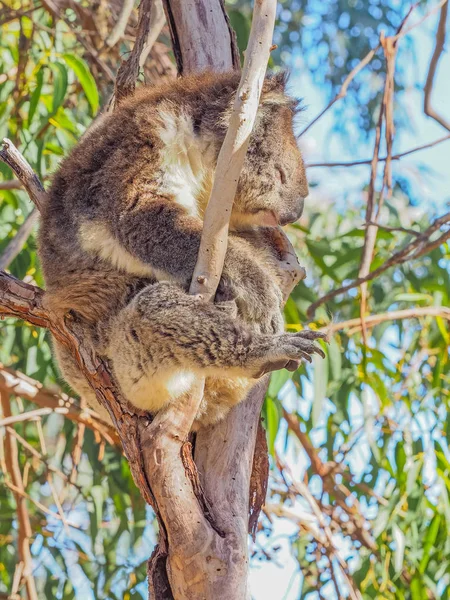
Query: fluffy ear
[[274, 89]]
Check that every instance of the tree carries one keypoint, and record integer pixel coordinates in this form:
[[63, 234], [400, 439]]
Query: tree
[[405, 385]]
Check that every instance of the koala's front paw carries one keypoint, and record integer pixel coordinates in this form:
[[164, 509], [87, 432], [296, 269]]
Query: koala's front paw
[[289, 349]]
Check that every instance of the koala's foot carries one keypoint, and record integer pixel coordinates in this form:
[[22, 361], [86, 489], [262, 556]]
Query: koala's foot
[[288, 349]]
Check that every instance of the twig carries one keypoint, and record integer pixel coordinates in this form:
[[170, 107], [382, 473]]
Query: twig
[[18, 241], [344, 87], [394, 315], [303, 490], [430, 13], [14, 382], [214, 240], [438, 49], [418, 247], [11, 184], [387, 113], [129, 69], [121, 24], [22, 170], [382, 159], [24, 527], [157, 21]]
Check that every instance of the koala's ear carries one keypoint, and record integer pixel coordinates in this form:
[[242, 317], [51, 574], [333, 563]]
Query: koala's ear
[[274, 89]]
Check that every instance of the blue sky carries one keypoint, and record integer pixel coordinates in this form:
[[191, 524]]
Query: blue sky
[[430, 171]]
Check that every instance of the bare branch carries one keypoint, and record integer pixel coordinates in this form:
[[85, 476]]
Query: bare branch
[[18, 241], [393, 315], [438, 49], [384, 158], [157, 21], [24, 527], [214, 240], [418, 247], [121, 24], [344, 88], [129, 69], [22, 170]]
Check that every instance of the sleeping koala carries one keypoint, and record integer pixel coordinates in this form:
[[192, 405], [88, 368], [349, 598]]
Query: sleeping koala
[[120, 235]]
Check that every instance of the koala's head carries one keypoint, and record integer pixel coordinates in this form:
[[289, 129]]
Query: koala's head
[[272, 185]]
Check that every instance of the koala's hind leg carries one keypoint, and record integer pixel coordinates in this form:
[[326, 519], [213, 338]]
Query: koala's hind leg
[[164, 339]]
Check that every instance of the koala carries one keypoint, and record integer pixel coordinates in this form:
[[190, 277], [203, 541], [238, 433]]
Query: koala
[[120, 235]]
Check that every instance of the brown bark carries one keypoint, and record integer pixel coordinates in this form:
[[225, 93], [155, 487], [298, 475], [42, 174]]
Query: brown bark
[[24, 531]]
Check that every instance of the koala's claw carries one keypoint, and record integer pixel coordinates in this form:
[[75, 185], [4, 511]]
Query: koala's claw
[[291, 348]]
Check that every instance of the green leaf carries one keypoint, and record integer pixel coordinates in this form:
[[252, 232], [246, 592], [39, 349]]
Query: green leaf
[[59, 85], [320, 386], [36, 95], [417, 590], [399, 539], [273, 421], [429, 541], [335, 356], [277, 381], [81, 70]]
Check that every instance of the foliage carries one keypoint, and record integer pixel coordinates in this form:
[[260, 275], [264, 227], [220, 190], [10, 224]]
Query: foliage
[[370, 428]]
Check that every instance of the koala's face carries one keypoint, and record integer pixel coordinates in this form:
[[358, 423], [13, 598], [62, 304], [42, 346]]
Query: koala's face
[[272, 186]]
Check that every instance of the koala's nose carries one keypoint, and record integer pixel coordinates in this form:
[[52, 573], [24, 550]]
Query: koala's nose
[[293, 215]]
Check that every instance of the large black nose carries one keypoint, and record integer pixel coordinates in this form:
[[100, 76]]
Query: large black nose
[[293, 215]]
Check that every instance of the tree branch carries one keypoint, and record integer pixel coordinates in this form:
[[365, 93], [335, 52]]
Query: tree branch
[[415, 249], [24, 530], [201, 38], [14, 382], [438, 49], [22, 170], [384, 158], [129, 69]]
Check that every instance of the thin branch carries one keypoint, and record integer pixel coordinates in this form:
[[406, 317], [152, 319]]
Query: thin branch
[[430, 13], [129, 69], [22, 170], [11, 184], [438, 49], [383, 159], [121, 24], [157, 22], [18, 241], [14, 382], [344, 87], [214, 240], [394, 315], [24, 527], [415, 249]]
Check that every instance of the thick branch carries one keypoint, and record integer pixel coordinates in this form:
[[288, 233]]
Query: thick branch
[[14, 382], [129, 69], [202, 37]]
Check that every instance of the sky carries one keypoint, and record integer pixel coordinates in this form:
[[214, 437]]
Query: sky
[[429, 169]]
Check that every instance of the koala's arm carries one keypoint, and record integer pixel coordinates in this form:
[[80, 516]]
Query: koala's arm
[[160, 233], [164, 331]]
